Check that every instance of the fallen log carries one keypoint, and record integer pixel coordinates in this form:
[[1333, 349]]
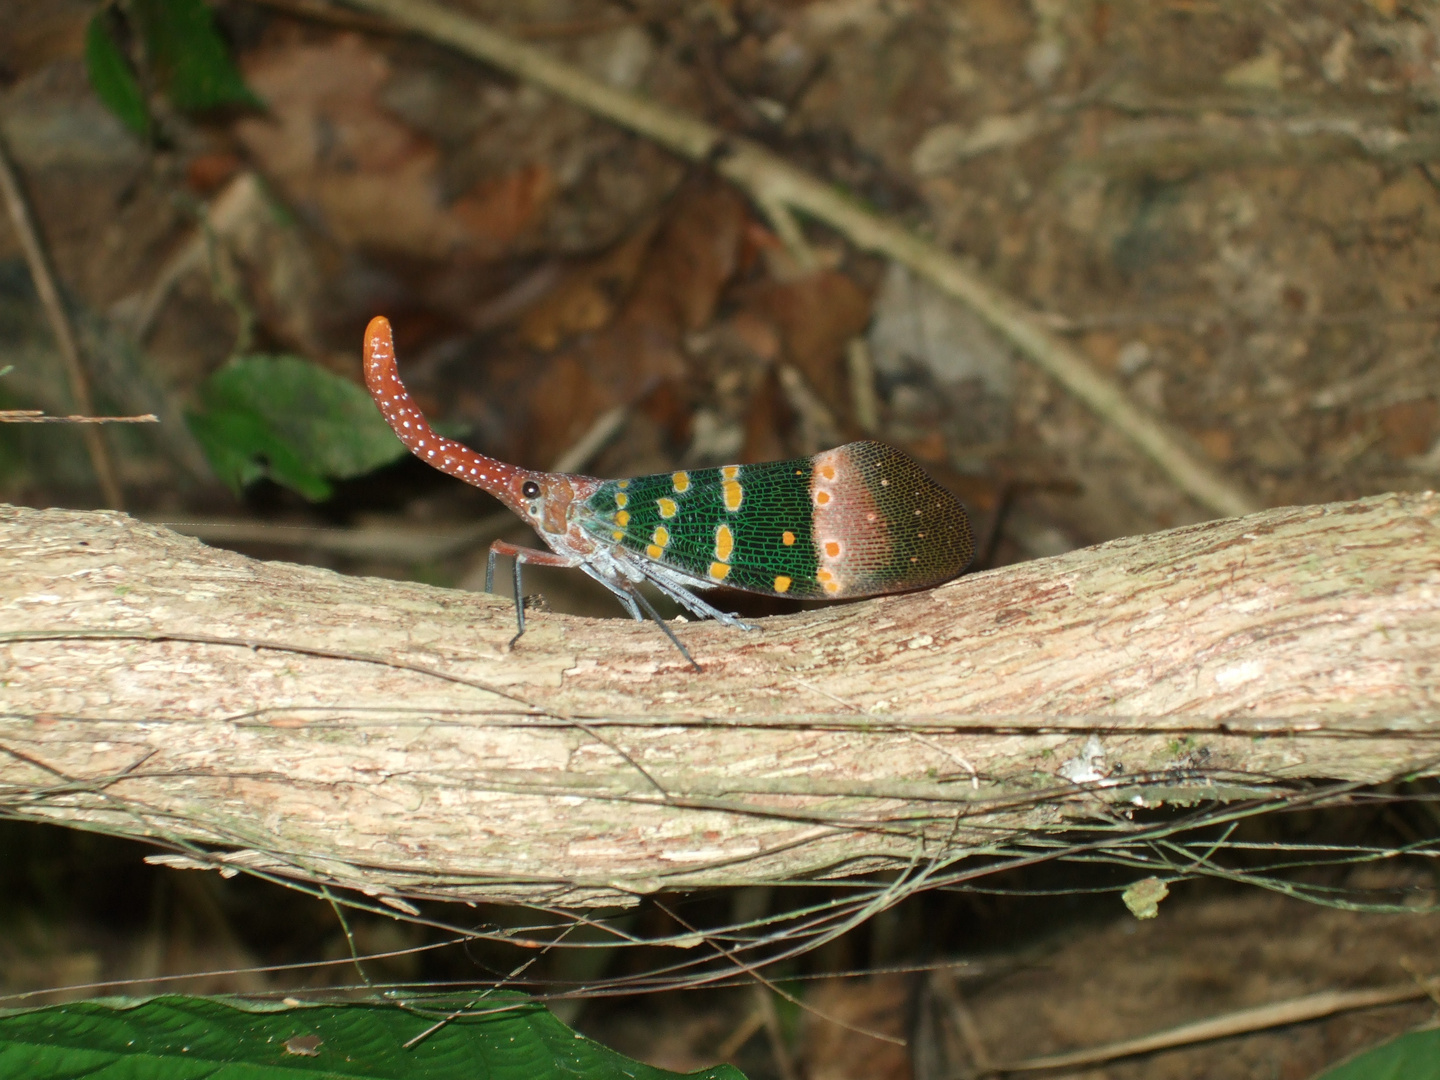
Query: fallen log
[[381, 735]]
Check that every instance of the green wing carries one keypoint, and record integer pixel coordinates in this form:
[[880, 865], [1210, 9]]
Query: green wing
[[859, 520]]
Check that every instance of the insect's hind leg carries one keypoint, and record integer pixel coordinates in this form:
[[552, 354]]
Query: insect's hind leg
[[655, 616], [522, 555], [679, 590], [629, 594]]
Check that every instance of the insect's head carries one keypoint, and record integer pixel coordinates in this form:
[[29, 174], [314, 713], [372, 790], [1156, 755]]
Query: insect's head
[[542, 499]]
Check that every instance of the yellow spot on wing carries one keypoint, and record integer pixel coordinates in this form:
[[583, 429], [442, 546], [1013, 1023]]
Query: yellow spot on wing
[[832, 586], [655, 551], [718, 570], [787, 538], [724, 543], [734, 494], [667, 507], [823, 575], [622, 518], [661, 536], [730, 472], [623, 484], [621, 500], [782, 583], [618, 535], [681, 480]]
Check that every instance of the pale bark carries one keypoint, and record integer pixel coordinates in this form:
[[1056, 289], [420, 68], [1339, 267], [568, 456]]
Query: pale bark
[[379, 734]]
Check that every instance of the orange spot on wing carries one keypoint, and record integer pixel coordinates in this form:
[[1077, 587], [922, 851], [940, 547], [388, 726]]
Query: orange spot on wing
[[730, 472], [681, 481], [655, 551], [823, 575], [832, 586], [782, 584], [827, 471], [821, 498], [724, 543], [718, 570], [734, 494], [787, 538], [832, 548]]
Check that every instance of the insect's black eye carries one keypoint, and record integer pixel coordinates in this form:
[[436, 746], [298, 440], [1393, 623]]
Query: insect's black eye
[[530, 489]]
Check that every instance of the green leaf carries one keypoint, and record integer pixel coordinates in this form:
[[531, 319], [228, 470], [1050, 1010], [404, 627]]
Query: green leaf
[[188, 56], [190, 1038], [111, 78], [242, 448], [293, 421], [1412, 1056]]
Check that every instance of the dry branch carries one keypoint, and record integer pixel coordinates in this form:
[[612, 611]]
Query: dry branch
[[379, 735]]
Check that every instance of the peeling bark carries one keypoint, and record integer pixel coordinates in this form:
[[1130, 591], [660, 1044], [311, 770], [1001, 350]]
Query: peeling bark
[[379, 735]]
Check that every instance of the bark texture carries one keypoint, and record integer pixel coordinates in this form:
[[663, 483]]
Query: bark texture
[[380, 735]]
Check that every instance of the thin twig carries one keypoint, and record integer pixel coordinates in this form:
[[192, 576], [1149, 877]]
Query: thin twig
[[788, 229], [1295, 1011], [770, 180], [36, 416], [864, 399], [320, 11], [39, 263], [1143, 148], [753, 1022], [947, 993], [770, 1016]]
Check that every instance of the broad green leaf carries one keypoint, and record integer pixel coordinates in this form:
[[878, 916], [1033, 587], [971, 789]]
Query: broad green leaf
[[192, 1038], [293, 421], [1412, 1056], [189, 57], [242, 448], [111, 78]]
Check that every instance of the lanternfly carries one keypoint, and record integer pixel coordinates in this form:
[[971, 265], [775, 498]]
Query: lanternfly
[[860, 520]]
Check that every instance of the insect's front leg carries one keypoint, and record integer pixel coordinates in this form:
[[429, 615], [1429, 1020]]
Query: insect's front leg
[[522, 555]]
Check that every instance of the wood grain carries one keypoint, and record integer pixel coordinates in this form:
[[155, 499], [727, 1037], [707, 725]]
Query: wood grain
[[379, 734]]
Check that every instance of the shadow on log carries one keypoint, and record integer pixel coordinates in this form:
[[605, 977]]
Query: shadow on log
[[378, 735]]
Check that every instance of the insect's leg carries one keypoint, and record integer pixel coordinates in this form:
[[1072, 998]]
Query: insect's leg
[[523, 555], [638, 595], [519, 601], [629, 594], [621, 592], [681, 593]]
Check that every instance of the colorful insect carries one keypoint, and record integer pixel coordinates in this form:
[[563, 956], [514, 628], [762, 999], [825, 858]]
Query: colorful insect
[[860, 520]]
